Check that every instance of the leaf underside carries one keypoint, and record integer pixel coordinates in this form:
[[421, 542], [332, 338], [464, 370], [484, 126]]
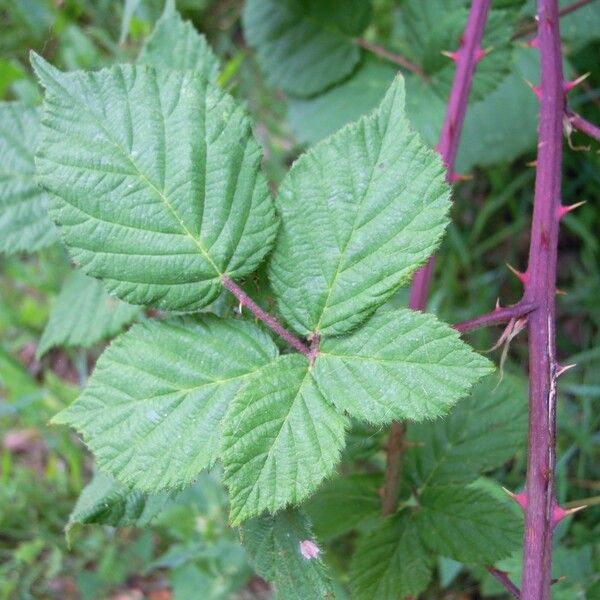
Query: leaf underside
[[168, 196]]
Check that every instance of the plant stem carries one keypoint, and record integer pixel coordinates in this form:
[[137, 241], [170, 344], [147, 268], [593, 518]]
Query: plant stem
[[540, 289], [583, 125], [466, 62], [496, 317], [391, 56], [504, 579], [270, 321]]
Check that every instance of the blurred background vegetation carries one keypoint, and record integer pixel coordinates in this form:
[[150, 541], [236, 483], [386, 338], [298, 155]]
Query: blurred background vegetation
[[189, 546]]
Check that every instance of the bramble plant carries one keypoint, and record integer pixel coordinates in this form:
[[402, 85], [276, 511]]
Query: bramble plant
[[153, 178]]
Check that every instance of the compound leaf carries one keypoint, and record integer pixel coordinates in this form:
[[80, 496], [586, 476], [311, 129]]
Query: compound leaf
[[401, 364], [281, 437], [278, 547], [304, 47], [175, 44], [155, 182], [24, 222], [390, 561], [480, 433], [83, 314], [152, 409], [467, 524], [360, 212]]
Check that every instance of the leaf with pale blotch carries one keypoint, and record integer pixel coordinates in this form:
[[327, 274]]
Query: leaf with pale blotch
[[480, 433], [175, 44], [390, 561], [281, 438], [283, 550], [152, 410], [467, 524], [103, 501], [401, 364], [304, 47], [24, 222], [155, 182], [83, 314], [361, 211]]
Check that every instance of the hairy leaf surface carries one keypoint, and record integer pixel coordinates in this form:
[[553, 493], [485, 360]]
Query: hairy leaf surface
[[24, 222], [401, 364], [152, 410], [467, 524], [360, 212], [175, 44], [155, 182], [390, 561], [281, 437], [305, 46], [83, 314], [481, 432], [273, 543]]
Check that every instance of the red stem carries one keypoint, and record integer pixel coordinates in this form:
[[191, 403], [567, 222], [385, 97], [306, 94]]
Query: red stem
[[496, 317], [504, 579], [583, 125], [466, 62], [270, 321], [391, 56], [540, 289], [530, 28]]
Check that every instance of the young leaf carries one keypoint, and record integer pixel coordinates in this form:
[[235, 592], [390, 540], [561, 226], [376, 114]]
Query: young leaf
[[304, 47], [152, 410], [344, 502], [467, 524], [105, 502], [482, 432], [24, 222], [390, 562], [84, 314], [281, 437], [155, 182], [401, 364], [360, 212], [283, 550], [175, 44]]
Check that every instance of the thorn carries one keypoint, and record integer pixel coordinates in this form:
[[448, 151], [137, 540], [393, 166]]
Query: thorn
[[560, 292], [559, 513], [451, 55], [534, 88], [479, 53], [534, 42], [520, 499], [498, 307], [558, 579], [563, 210], [569, 85], [522, 277], [531, 163], [454, 177], [561, 370]]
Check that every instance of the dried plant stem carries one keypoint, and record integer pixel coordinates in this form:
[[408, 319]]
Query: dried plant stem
[[466, 62], [270, 321], [540, 289]]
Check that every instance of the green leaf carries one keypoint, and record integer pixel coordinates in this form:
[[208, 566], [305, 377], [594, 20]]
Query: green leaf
[[481, 433], [84, 314], [312, 119], [152, 410], [341, 504], [281, 437], [274, 546], [24, 222], [390, 562], [175, 44], [103, 501], [467, 524], [155, 182], [360, 212], [400, 365], [305, 46]]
